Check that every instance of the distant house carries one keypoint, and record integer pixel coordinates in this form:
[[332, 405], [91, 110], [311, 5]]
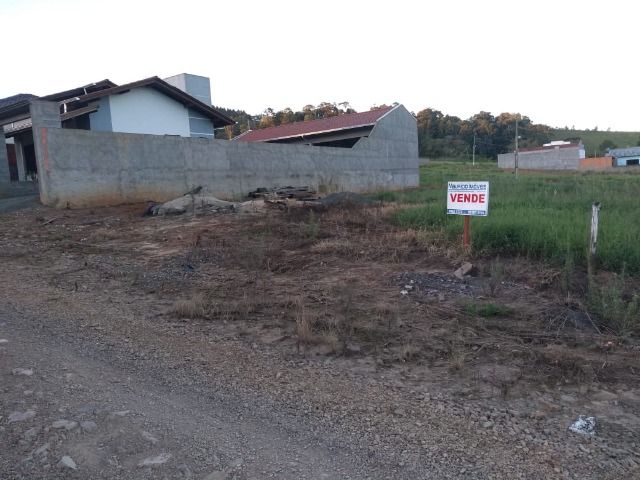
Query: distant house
[[623, 157], [149, 106], [557, 155], [338, 131]]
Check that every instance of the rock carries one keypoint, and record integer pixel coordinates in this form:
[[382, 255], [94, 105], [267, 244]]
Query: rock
[[66, 424], [21, 416], [42, 451], [121, 413], [219, 475], [465, 269], [352, 348], [487, 424], [153, 461], [236, 463], [31, 433], [22, 371], [184, 469], [88, 426], [3, 340], [149, 438], [604, 396], [67, 462]]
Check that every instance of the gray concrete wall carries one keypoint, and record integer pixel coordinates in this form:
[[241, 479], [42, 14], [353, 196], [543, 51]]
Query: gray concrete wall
[[5, 175], [45, 118], [85, 168], [552, 159]]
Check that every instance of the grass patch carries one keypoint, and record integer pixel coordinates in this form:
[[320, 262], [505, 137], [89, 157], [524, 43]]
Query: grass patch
[[539, 215]]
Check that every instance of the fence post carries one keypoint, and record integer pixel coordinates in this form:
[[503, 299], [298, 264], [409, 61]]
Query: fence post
[[593, 241]]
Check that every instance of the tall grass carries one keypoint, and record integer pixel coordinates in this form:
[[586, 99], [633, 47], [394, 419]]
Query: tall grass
[[539, 215]]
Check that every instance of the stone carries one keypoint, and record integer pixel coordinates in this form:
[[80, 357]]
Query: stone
[[67, 462], [21, 416], [219, 475], [149, 438], [3, 340], [153, 461], [88, 426], [465, 269], [66, 424], [31, 433], [121, 413], [42, 451], [353, 348], [604, 396], [22, 371], [487, 424]]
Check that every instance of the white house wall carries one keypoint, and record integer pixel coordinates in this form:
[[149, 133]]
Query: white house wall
[[145, 110]]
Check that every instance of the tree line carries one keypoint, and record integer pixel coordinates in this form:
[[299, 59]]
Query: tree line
[[439, 135]]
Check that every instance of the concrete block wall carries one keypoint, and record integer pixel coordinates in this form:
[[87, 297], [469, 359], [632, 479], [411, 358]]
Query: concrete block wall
[[551, 159], [85, 168]]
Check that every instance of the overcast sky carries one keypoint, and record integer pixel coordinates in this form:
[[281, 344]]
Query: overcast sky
[[561, 62]]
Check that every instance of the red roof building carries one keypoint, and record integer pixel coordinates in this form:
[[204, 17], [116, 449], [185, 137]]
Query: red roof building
[[339, 131]]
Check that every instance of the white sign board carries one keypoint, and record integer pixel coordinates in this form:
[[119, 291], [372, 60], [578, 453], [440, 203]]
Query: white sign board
[[468, 198]]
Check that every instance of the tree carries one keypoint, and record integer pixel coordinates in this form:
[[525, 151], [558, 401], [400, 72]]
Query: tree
[[606, 145]]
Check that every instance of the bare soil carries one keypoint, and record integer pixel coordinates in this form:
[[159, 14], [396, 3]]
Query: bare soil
[[336, 344]]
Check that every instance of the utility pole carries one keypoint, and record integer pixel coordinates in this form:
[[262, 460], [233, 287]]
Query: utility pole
[[473, 155], [516, 152]]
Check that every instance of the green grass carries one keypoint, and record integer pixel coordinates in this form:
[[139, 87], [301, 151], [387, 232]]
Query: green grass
[[542, 215], [592, 140]]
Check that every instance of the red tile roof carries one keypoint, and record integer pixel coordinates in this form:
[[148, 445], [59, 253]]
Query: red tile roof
[[322, 125]]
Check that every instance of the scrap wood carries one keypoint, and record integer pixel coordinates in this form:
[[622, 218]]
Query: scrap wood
[[52, 219], [298, 193]]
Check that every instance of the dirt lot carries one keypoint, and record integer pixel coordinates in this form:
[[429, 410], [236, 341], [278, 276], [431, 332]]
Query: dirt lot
[[295, 344]]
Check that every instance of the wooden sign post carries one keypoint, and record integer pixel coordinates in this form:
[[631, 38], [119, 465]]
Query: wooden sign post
[[466, 231], [468, 199]]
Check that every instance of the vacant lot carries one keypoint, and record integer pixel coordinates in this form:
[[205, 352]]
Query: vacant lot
[[349, 318], [538, 215]]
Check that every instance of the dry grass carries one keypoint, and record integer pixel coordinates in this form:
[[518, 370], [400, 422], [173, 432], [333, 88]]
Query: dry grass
[[194, 307], [408, 352], [304, 327]]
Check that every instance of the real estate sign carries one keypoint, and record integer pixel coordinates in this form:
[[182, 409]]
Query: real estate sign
[[468, 198]]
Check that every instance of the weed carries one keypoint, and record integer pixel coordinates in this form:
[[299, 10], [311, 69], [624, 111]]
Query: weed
[[304, 328], [496, 275], [616, 311], [567, 275], [194, 307], [312, 226], [408, 352]]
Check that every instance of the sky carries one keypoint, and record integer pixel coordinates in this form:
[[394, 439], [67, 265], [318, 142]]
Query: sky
[[561, 62]]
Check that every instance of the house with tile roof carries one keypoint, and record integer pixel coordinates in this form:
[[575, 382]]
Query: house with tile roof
[[179, 105]]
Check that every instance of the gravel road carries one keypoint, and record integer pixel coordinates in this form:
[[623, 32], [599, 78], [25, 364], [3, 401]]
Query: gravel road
[[114, 420]]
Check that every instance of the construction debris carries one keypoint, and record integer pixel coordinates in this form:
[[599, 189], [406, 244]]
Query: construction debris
[[298, 193], [192, 203]]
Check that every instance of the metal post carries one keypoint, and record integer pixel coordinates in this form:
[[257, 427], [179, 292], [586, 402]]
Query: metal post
[[466, 232]]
